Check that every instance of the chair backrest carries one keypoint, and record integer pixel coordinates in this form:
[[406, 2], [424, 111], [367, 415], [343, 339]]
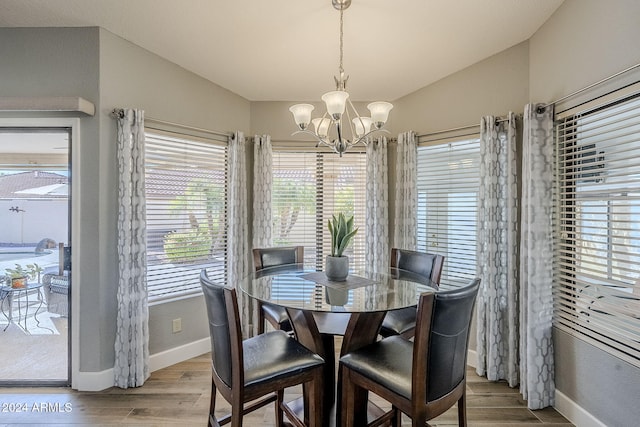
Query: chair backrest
[[224, 329], [442, 339], [283, 255], [422, 263]]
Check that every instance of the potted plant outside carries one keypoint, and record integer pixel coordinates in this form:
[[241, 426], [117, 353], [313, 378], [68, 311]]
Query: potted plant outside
[[18, 276], [342, 232]]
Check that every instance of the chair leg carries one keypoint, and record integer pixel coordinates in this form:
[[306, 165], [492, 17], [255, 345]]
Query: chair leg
[[462, 410], [396, 421], [212, 406], [316, 399], [279, 403], [260, 319], [347, 417]]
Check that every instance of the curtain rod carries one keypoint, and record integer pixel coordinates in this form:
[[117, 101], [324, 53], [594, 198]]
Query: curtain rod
[[119, 113], [498, 120], [541, 108], [178, 125], [448, 130]]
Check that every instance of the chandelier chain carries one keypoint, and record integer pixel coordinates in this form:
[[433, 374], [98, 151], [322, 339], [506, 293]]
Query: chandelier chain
[[341, 41]]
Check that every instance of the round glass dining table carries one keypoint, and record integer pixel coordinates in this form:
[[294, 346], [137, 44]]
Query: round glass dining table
[[321, 309]]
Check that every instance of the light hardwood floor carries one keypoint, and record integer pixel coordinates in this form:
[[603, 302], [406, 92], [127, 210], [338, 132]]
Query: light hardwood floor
[[179, 396]]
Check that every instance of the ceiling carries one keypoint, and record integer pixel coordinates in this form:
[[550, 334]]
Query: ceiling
[[283, 50]]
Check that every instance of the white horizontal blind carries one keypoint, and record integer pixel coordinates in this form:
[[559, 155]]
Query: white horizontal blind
[[310, 186], [185, 189], [597, 289], [447, 181]]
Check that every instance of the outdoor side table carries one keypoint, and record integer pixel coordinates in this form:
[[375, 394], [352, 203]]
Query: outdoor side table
[[19, 297]]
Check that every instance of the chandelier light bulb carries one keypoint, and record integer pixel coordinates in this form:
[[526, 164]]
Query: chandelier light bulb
[[321, 126], [362, 125], [379, 112], [336, 102], [302, 114]]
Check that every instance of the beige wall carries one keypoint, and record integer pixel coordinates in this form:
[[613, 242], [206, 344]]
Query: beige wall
[[112, 73], [133, 77], [494, 86], [583, 42]]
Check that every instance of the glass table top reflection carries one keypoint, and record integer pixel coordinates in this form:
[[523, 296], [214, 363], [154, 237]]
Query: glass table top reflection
[[296, 286]]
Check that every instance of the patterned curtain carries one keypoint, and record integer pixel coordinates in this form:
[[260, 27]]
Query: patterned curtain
[[377, 207], [131, 366], [536, 364], [404, 234], [262, 187], [497, 252], [238, 240]]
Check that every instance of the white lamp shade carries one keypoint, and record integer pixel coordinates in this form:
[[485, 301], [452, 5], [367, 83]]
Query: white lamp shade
[[302, 114], [362, 125], [379, 112], [321, 126], [336, 103]]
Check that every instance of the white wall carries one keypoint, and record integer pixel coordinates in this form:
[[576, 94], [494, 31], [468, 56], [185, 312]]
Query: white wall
[[38, 220]]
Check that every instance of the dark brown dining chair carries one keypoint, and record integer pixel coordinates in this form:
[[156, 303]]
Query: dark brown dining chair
[[426, 265], [258, 369], [273, 257], [423, 378]]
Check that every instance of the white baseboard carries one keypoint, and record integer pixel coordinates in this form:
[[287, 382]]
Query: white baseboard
[[575, 413], [97, 381], [93, 381], [179, 354], [567, 407]]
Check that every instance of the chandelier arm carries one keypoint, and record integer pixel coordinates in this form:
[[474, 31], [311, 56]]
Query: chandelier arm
[[363, 138], [339, 132], [316, 136], [353, 131]]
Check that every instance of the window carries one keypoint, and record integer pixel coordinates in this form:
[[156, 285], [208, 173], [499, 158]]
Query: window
[[185, 189], [447, 187], [597, 288], [310, 186]]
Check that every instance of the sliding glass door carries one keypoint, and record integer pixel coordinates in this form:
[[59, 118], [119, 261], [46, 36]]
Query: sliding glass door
[[34, 246]]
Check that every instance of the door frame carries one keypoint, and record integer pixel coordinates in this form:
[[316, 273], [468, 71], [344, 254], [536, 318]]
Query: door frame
[[73, 123]]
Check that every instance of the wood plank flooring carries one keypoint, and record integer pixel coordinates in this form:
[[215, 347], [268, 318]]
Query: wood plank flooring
[[179, 396]]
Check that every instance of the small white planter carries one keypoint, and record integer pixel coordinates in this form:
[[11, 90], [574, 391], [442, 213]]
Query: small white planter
[[337, 268]]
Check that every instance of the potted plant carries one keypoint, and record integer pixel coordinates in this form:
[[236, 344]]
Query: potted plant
[[34, 271], [342, 232], [18, 276]]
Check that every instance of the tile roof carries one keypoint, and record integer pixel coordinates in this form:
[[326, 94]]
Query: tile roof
[[10, 183]]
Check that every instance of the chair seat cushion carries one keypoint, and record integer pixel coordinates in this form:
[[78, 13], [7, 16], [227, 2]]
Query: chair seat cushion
[[387, 362], [277, 314], [275, 355], [397, 322]]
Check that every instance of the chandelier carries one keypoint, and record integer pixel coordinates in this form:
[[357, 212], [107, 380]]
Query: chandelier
[[329, 130]]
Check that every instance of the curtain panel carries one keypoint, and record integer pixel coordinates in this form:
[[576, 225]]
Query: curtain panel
[[497, 252], [238, 240], [131, 367], [377, 206], [537, 383], [262, 189], [406, 198]]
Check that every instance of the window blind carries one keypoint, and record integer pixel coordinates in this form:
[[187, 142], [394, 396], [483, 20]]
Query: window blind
[[597, 268], [185, 189], [310, 186], [447, 188]]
